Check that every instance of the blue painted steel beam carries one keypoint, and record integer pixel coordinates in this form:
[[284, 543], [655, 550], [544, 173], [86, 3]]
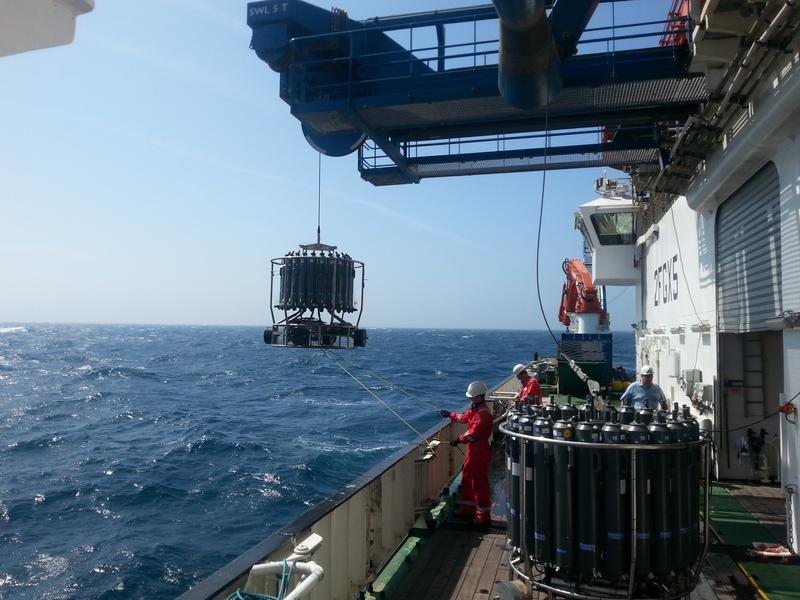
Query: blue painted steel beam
[[587, 70], [276, 23], [600, 148], [327, 78], [452, 15], [568, 19], [606, 154], [388, 146], [611, 119]]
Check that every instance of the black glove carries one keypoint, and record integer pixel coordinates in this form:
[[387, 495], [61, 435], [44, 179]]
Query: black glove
[[444, 413], [455, 442]]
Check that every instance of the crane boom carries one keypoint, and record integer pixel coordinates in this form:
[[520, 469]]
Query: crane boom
[[579, 295]]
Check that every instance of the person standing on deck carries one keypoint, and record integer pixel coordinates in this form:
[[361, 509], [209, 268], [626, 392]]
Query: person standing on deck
[[644, 393], [531, 392], [475, 494]]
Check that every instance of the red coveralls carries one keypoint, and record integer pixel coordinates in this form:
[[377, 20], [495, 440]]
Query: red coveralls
[[475, 476], [531, 388]]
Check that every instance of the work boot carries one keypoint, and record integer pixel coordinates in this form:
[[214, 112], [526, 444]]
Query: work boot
[[482, 518]]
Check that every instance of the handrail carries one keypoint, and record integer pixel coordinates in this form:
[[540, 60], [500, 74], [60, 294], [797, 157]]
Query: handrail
[[607, 446]]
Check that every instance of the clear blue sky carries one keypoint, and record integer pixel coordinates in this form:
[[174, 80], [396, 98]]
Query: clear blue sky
[[149, 170]]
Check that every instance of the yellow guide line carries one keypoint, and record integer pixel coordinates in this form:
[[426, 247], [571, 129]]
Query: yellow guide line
[[762, 594]]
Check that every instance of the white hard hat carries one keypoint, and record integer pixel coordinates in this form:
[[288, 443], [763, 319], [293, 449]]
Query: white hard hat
[[519, 368], [476, 388], [646, 370]]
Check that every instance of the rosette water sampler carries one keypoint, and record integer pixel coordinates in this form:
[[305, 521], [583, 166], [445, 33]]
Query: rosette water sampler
[[316, 294]]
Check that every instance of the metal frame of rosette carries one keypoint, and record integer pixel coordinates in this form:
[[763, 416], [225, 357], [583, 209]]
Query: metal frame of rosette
[[314, 295], [633, 585]]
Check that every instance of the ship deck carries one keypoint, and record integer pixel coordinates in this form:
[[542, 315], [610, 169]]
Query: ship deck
[[462, 562]]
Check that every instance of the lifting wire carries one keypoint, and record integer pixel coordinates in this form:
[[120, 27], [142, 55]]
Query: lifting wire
[[539, 228], [379, 378], [374, 395], [336, 359], [541, 212], [319, 191]]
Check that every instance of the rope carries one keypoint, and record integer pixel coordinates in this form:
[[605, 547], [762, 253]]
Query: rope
[[285, 578], [330, 353], [240, 595], [283, 587], [374, 395], [379, 378], [769, 416]]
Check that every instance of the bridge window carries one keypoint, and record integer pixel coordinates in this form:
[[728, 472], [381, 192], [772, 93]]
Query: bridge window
[[615, 229]]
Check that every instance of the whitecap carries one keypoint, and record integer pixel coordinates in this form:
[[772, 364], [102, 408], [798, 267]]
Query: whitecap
[[269, 493], [38, 498], [48, 566], [172, 573], [17, 329], [105, 513]]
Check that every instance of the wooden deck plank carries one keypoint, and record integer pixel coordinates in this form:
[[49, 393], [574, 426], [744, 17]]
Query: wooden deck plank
[[475, 569], [468, 578], [420, 577], [494, 563], [460, 554], [454, 554]]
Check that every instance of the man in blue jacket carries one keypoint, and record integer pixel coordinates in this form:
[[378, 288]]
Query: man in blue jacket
[[644, 393]]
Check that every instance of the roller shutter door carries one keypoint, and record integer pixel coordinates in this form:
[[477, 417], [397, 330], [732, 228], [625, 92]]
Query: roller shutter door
[[749, 254]]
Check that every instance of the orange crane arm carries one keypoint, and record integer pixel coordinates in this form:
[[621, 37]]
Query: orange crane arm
[[579, 294]]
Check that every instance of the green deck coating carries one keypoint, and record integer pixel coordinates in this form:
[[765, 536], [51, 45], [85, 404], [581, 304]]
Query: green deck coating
[[397, 567], [739, 528], [400, 563]]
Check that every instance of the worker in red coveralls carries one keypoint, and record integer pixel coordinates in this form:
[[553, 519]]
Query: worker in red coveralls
[[475, 496], [531, 392]]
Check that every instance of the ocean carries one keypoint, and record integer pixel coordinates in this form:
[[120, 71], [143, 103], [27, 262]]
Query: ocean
[[136, 460]]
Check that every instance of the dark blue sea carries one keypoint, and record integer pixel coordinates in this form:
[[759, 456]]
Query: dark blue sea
[[136, 460]]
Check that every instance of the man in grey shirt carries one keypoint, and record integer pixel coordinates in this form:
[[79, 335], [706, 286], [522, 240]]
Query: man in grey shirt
[[644, 393]]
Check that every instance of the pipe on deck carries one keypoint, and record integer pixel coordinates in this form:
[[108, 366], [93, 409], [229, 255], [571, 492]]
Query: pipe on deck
[[528, 74], [311, 571]]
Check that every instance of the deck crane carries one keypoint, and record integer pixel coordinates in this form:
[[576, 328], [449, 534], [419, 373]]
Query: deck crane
[[580, 301], [585, 350]]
